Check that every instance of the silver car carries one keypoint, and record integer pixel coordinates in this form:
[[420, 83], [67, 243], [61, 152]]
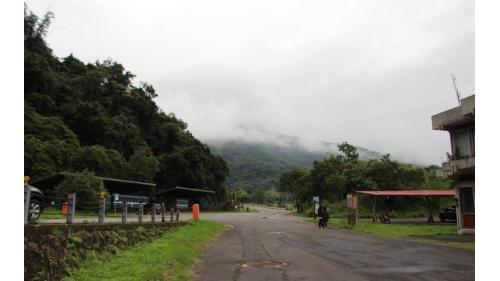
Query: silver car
[[36, 198]]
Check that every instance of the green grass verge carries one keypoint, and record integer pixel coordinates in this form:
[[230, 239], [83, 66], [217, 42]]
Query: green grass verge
[[50, 213], [170, 257], [403, 231]]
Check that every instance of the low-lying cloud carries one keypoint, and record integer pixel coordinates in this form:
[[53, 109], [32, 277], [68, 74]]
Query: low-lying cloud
[[368, 72]]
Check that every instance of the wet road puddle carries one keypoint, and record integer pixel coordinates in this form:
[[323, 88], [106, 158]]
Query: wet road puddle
[[263, 264]]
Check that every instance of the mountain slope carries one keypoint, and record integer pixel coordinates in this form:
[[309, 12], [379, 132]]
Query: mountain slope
[[91, 116], [253, 164], [260, 164]]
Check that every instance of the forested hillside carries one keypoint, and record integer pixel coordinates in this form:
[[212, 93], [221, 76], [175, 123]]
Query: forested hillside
[[91, 116], [261, 164]]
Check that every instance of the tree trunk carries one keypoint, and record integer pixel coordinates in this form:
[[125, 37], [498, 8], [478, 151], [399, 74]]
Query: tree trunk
[[430, 217]]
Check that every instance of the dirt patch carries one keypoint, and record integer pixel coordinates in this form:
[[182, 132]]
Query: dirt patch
[[168, 271]]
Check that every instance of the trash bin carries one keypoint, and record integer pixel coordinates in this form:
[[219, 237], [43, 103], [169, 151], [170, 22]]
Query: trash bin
[[64, 209], [196, 212]]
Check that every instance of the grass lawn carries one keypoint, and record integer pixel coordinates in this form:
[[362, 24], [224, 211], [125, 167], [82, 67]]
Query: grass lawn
[[403, 231], [170, 257], [51, 213]]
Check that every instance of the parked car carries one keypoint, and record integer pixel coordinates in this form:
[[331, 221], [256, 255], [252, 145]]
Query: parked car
[[36, 198], [449, 213]]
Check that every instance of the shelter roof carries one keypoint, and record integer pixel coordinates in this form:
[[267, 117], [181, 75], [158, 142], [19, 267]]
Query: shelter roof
[[184, 191], [419, 192], [111, 184]]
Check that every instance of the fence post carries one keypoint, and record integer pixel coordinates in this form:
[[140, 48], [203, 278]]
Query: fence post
[[124, 210], [141, 212], [153, 212], [27, 203], [171, 214], [162, 212], [102, 208], [177, 215], [71, 208]]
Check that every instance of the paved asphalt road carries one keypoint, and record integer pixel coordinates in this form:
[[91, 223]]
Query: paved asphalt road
[[274, 245]]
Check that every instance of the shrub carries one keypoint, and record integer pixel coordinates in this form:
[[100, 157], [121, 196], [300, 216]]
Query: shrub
[[85, 184]]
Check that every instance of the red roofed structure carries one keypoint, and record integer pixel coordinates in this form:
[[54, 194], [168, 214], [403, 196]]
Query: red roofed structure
[[414, 192], [421, 192]]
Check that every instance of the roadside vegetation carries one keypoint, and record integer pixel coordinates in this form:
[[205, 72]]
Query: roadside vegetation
[[50, 213], [403, 231], [170, 257], [94, 118], [333, 178]]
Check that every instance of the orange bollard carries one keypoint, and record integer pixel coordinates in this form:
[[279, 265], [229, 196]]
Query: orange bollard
[[196, 212], [64, 209]]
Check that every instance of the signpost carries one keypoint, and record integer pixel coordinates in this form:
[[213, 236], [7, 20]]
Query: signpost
[[352, 207], [315, 206]]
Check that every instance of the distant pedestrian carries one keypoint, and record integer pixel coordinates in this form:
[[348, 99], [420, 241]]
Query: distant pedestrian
[[326, 217], [320, 216]]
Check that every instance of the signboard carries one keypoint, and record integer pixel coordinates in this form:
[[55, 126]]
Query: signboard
[[182, 204], [352, 201], [316, 205], [349, 201]]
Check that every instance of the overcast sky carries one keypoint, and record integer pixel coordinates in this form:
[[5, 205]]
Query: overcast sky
[[368, 72]]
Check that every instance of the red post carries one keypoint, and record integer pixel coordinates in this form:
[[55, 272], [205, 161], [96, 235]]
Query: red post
[[196, 212], [64, 209]]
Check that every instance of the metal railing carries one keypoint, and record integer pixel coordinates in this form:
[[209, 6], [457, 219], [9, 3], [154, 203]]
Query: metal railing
[[68, 207]]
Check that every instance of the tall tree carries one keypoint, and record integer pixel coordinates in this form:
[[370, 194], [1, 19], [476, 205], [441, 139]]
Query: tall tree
[[92, 116], [295, 183]]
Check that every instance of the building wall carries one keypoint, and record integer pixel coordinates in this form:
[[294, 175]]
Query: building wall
[[465, 218], [460, 123]]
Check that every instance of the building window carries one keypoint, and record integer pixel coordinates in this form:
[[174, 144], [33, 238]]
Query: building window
[[462, 144], [473, 141], [467, 200]]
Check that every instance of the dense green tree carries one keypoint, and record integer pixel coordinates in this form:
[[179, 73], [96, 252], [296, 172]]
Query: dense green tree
[[295, 182], [334, 177], [86, 186], [91, 116], [100, 160], [259, 195], [42, 158], [143, 165], [350, 151], [432, 181], [242, 196], [48, 128], [272, 197]]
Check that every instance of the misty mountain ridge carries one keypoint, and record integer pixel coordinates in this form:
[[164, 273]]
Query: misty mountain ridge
[[260, 159], [281, 141]]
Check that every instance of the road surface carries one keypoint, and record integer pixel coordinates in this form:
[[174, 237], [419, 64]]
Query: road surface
[[275, 245]]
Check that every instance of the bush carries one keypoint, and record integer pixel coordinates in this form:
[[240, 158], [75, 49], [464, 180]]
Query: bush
[[85, 184]]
